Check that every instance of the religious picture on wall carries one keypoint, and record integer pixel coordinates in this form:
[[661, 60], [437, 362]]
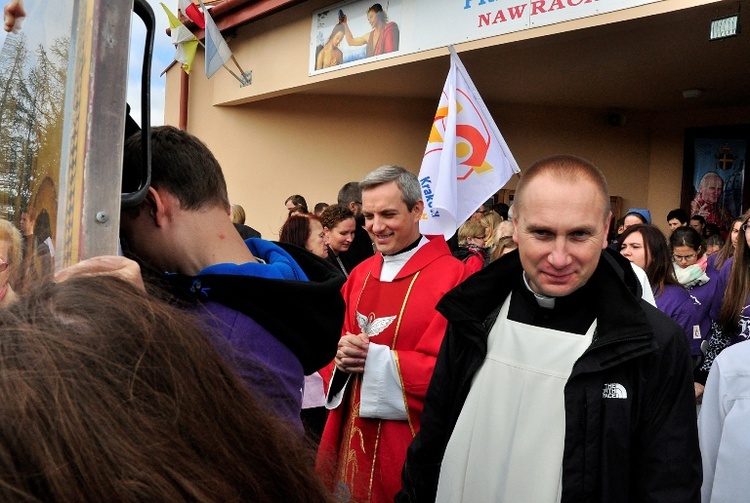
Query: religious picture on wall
[[354, 31], [718, 179]]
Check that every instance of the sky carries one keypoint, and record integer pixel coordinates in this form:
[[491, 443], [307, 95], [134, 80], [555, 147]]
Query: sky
[[162, 57]]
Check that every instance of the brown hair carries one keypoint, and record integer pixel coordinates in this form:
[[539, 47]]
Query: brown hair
[[298, 201], [659, 268], [738, 285], [181, 164], [296, 230], [335, 214], [728, 249], [110, 395], [566, 168]]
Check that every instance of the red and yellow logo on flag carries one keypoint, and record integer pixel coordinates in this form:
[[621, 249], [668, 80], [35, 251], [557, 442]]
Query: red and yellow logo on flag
[[466, 160]]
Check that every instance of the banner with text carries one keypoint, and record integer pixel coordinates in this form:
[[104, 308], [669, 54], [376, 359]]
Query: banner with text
[[353, 32]]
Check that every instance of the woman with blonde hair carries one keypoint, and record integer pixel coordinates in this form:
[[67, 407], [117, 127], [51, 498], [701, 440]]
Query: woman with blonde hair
[[10, 261], [471, 249], [490, 221], [503, 246]]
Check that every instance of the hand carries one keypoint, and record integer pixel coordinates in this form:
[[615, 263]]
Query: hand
[[704, 210], [352, 353], [698, 392], [110, 265], [13, 15]]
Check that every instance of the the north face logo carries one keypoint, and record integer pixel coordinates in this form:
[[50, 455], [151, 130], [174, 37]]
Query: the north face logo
[[614, 390]]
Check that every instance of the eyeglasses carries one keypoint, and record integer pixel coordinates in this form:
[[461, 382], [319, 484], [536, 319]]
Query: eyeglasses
[[3, 266], [684, 258]]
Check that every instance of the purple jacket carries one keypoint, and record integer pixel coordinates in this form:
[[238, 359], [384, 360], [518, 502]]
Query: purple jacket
[[267, 366], [274, 321], [707, 299], [676, 303]]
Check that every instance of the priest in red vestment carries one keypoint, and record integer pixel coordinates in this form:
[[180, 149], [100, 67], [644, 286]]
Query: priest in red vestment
[[390, 341]]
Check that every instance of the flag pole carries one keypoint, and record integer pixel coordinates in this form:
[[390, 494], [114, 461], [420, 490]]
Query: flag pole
[[242, 79], [225, 66]]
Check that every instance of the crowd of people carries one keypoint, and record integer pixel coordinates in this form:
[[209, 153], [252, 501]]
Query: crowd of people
[[532, 357], [541, 354]]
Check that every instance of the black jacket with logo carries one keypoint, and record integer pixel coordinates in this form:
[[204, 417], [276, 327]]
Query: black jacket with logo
[[630, 433]]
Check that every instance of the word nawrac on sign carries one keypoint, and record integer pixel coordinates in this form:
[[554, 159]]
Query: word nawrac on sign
[[535, 7]]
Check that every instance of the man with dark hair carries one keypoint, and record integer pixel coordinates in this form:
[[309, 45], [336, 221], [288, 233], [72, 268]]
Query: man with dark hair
[[390, 340], [350, 196], [555, 381], [319, 208], [296, 203], [275, 312], [677, 218], [698, 223]]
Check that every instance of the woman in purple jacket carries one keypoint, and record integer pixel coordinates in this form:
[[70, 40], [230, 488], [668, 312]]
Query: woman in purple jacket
[[733, 323], [699, 278], [646, 247]]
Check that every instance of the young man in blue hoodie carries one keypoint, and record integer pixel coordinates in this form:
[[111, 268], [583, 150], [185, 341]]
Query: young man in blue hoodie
[[275, 313]]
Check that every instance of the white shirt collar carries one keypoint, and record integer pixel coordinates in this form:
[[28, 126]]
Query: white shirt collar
[[542, 300], [392, 264]]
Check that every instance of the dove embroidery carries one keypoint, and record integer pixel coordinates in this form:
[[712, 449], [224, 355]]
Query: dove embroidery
[[372, 326]]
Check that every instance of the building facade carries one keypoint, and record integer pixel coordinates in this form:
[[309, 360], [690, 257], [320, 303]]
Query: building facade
[[623, 83]]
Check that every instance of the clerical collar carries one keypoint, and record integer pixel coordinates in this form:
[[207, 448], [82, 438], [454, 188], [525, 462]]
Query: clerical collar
[[408, 248], [392, 264], [542, 300]]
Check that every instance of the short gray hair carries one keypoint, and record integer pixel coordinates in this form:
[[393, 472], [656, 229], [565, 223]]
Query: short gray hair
[[405, 180]]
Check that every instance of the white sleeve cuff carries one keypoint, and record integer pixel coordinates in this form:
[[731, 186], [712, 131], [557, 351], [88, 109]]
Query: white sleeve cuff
[[382, 396]]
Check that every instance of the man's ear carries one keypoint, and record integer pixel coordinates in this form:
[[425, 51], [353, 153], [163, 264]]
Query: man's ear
[[418, 209], [160, 205], [353, 207]]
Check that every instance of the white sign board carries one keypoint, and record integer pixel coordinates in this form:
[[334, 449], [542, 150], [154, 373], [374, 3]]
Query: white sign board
[[354, 32]]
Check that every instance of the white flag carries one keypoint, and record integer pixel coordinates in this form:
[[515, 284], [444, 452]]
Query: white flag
[[466, 160], [217, 50]]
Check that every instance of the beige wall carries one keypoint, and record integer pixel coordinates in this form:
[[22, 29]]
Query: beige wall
[[276, 49], [272, 147], [312, 145]]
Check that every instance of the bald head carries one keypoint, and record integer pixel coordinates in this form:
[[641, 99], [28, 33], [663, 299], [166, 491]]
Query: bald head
[[568, 169], [710, 187]]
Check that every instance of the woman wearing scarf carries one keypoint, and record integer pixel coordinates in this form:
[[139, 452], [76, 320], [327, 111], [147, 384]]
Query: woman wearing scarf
[[702, 282], [646, 247]]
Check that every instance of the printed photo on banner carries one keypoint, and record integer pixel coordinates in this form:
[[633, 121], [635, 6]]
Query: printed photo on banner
[[361, 31], [356, 31], [717, 158]]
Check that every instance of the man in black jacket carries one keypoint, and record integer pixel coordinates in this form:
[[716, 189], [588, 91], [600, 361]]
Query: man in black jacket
[[555, 381]]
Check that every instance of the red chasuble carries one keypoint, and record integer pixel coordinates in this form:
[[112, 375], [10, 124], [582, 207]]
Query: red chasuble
[[363, 457]]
